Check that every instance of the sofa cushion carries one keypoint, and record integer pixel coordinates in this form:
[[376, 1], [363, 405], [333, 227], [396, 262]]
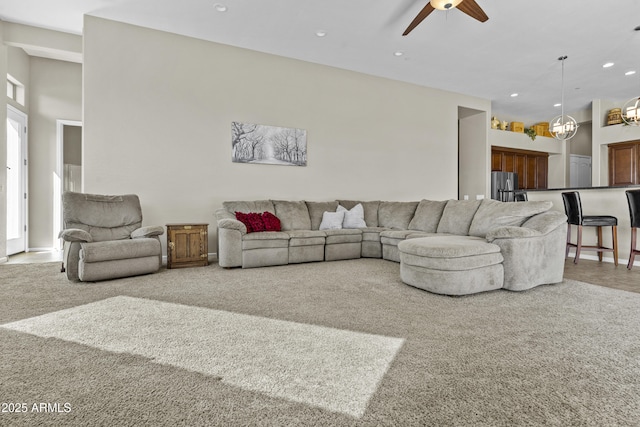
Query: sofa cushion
[[119, 249], [393, 237], [104, 217], [427, 216], [316, 209], [450, 253], [370, 210], [354, 217], [75, 235], [493, 214], [371, 234], [396, 215], [457, 216], [265, 239], [249, 206], [344, 235], [306, 237], [293, 215]]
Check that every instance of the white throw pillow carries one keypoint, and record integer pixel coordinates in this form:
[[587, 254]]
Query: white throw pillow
[[331, 220], [353, 218]]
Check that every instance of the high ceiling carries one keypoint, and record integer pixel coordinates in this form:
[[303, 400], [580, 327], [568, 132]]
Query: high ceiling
[[515, 51]]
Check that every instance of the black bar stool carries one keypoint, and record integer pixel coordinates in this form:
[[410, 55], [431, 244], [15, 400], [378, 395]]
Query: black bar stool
[[573, 209], [633, 197], [520, 196]]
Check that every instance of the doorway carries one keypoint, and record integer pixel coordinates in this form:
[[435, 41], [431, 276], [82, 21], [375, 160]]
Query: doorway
[[16, 181], [579, 171], [68, 175]]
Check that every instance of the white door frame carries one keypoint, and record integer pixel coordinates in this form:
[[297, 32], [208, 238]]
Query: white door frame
[[59, 179], [24, 221]]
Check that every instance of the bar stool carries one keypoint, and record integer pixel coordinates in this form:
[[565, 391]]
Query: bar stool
[[573, 209], [633, 198], [520, 196]]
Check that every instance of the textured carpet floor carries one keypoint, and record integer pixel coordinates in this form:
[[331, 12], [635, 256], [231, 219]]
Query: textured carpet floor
[[567, 354]]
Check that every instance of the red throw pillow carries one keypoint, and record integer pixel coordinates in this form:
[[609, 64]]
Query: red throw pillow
[[271, 222], [244, 218], [255, 220]]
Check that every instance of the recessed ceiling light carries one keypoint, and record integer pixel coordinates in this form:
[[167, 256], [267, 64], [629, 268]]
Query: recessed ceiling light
[[321, 33], [220, 7], [513, 95], [608, 64], [557, 105], [398, 53], [629, 73]]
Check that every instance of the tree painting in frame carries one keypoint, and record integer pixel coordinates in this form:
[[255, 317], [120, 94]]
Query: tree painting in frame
[[269, 145]]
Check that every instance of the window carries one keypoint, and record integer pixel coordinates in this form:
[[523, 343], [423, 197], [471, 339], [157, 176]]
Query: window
[[15, 90]]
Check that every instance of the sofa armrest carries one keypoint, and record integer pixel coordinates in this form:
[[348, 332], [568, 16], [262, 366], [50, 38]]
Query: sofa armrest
[[538, 225], [232, 224], [75, 235], [511, 232], [546, 222], [149, 231], [224, 214]]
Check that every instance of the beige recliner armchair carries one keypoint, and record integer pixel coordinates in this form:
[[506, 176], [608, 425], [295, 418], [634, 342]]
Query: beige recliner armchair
[[104, 238]]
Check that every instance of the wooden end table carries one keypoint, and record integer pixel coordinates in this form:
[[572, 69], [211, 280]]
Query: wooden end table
[[187, 245]]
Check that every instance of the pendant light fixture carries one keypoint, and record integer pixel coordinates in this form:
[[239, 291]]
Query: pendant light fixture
[[631, 109], [563, 127], [631, 112]]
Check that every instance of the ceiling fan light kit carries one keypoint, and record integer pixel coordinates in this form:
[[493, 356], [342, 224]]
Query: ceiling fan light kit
[[563, 127], [445, 4], [469, 7]]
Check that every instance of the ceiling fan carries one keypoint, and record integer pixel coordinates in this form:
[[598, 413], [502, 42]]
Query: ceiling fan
[[470, 7]]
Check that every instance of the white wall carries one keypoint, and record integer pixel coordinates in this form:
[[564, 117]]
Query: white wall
[[3, 150], [475, 155], [55, 93], [158, 109]]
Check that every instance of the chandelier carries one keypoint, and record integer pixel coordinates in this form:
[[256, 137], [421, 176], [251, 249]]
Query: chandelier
[[563, 127]]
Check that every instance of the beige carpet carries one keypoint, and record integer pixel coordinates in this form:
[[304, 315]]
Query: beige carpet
[[333, 369], [176, 348]]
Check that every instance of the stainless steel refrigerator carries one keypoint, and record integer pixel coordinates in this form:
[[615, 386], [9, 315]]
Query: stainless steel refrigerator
[[503, 186]]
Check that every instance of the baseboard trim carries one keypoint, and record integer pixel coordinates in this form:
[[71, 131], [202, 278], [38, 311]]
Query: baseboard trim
[[572, 255], [50, 249], [4, 259]]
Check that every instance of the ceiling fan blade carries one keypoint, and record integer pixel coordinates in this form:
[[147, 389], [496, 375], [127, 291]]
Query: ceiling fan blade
[[419, 18], [471, 8]]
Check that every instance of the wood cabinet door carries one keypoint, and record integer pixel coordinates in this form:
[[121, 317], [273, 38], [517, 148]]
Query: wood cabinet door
[[622, 164], [496, 161], [521, 170], [509, 164], [542, 165], [531, 173]]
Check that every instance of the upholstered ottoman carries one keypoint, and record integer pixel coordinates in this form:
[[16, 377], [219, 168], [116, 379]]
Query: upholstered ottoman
[[451, 265]]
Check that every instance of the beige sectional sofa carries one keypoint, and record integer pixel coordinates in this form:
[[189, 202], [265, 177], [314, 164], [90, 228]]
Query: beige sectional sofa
[[511, 245]]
